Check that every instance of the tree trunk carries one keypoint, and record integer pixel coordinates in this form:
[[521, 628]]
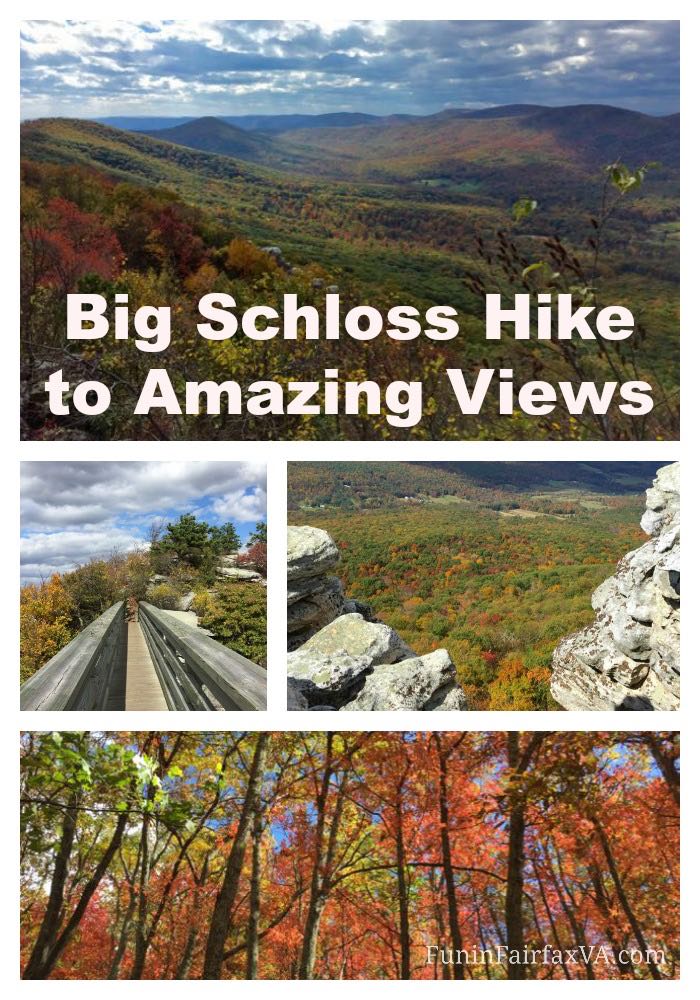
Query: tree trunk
[[404, 928], [35, 967], [119, 951], [550, 919], [253, 944], [624, 902], [183, 967], [516, 852], [221, 916], [569, 911], [665, 764], [519, 760], [315, 908], [60, 943], [446, 847], [141, 930], [321, 897]]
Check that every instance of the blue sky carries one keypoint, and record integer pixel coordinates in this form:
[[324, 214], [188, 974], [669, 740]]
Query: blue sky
[[72, 512], [102, 68]]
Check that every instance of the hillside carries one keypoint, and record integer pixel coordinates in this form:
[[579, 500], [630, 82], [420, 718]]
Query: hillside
[[256, 123], [419, 226], [218, 136], [486, 147], [212, 135], [176, 156], [592, 133], [496, 485]]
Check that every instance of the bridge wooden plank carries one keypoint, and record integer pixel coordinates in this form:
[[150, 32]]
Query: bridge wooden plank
[[143, 690]]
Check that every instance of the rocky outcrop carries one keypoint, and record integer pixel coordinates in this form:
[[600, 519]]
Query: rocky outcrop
[[340, 657], [314, 595], [629, 658], [228, 568]]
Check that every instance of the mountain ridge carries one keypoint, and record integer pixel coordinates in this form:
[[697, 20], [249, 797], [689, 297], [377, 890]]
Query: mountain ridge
[[476, 147]]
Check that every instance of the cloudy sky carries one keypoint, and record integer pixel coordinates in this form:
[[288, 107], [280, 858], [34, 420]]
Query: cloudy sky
[[75, 511], [102, 68]]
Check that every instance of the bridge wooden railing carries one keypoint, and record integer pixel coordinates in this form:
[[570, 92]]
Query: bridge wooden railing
[[195, 671], [78, 676]]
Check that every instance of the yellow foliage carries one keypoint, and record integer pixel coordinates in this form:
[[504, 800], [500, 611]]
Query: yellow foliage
[[46, 623], [245, 260], [203, 281]]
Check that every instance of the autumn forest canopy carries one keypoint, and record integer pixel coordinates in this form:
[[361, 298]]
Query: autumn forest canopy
[[349, 855]]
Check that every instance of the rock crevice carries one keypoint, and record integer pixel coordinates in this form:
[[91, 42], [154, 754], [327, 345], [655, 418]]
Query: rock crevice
[[629, 658], [340, 657]]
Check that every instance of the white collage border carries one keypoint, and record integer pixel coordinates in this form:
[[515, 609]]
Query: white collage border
[[276, 454]]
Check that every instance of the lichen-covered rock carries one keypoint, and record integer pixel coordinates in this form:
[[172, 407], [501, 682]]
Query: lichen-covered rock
[[422, 684], [186, 601], [326, 678], [296, 702], [238, 573], [313, 597], [630, 657], [353, 635], [318, 608], [359, 608], [310, 552]]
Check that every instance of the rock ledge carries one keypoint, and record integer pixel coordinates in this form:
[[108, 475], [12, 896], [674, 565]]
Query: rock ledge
[[629, 658]]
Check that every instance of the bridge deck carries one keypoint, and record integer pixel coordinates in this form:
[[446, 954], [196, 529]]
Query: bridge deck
[[143, 690]]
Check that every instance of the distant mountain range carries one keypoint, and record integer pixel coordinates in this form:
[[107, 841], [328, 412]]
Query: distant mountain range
[[251, 123], [457, 145]]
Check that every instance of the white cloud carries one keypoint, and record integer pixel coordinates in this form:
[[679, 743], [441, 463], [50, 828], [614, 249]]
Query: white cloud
[[99, 68], [242, 506], [42, 554], [74, 511]]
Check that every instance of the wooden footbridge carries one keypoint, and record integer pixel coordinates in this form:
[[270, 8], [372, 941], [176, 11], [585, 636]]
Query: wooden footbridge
[[155, 663]]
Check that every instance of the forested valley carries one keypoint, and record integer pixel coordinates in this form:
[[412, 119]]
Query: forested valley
[[432, 211], [180, 855], [494, 561]]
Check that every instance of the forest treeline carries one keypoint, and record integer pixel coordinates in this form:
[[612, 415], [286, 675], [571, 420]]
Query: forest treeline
[[180, 558], [155, 855]]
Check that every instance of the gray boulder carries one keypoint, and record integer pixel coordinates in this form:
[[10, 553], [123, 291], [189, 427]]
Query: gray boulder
[[339, 656], [326, 679], [310, 552], [318, 608], [237, 573], [313, 597], [422, 684], [186, 601], [352, 635]]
